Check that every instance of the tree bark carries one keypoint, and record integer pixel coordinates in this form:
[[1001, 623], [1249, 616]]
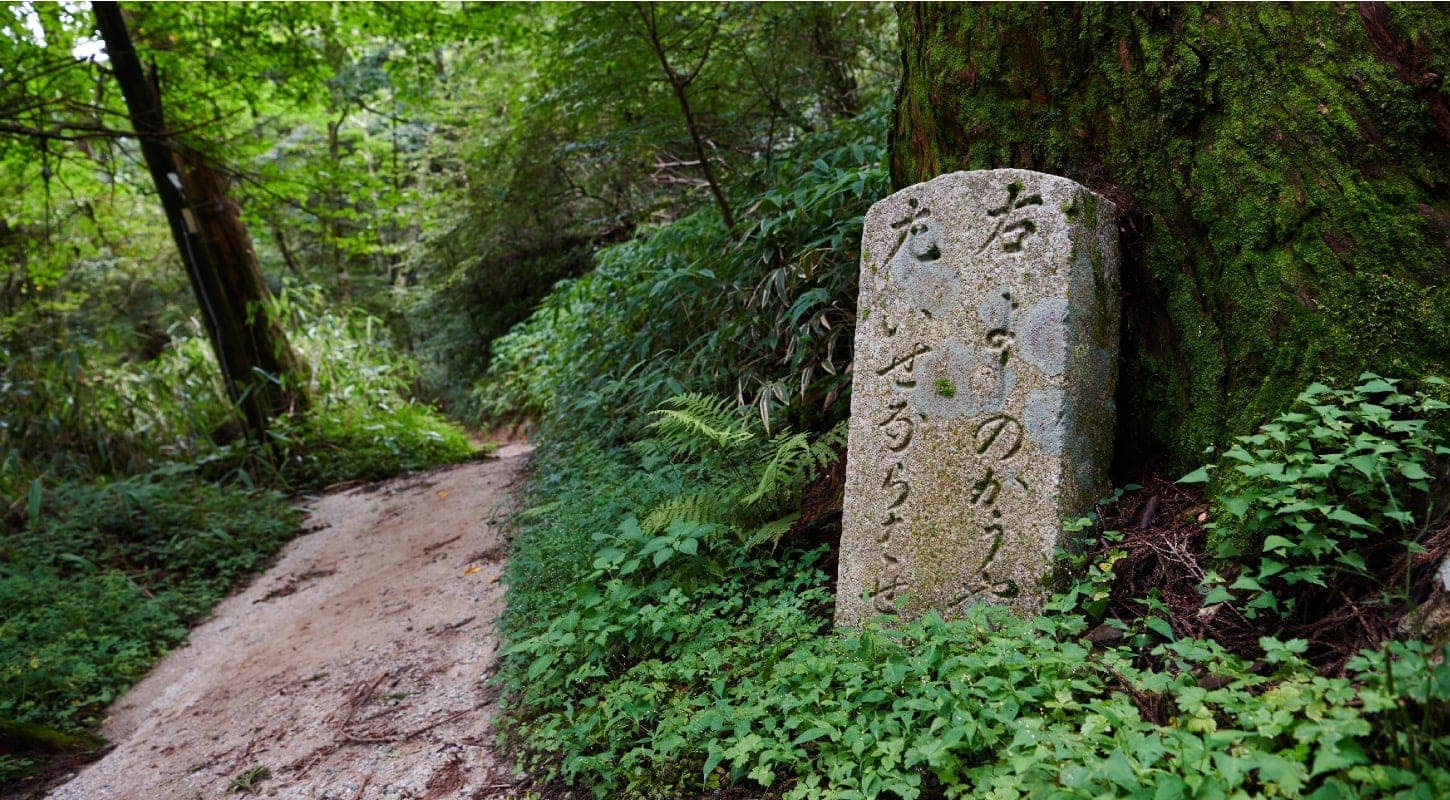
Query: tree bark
[[288, 259], [340, 268], [1281, 168], [262, 376]]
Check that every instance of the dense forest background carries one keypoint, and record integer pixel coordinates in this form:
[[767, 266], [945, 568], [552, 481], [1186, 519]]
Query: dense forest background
[[408, 181], [437, 169], [635, 228]]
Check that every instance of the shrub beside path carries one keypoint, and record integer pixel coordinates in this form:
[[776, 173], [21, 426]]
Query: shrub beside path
[[351, 670]]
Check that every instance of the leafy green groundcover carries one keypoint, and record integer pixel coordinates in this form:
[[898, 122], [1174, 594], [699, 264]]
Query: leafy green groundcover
[[104, 578], [657, 663], [669, 628]]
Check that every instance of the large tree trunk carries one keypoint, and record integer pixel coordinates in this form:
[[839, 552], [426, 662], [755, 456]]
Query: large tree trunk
[[262, 375], [1283, 169]]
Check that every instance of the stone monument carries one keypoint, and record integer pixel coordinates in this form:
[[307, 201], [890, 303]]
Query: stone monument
[[982, 396]]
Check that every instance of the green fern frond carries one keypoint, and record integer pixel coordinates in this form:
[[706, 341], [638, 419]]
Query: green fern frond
[[711, 504], [741, 479], [690, 424], [794, 461], [772, 531], [788, 468], [826, 448], [652, 450]]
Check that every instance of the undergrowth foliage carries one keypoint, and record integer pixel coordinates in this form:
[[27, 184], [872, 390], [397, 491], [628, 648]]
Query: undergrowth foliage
[[1344, 470], [100, 578], [128, 500], [764, 315], [710, 495], [670, 609], [660, 646], [749, 477], [79, 410], [1327, 525]]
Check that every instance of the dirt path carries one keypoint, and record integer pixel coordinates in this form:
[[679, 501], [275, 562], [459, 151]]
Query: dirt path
[[352, 670]]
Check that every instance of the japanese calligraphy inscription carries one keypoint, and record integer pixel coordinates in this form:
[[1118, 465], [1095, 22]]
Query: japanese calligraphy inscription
[[982, 397]]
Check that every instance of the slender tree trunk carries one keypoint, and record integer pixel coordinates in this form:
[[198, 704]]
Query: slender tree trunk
[[1282, 170], [844, 99], [288, 258], [340, 266], [680, 83], [683, 96], [261, 374]]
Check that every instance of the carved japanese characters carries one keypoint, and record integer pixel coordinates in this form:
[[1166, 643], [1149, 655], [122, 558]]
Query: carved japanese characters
[[982, 405]]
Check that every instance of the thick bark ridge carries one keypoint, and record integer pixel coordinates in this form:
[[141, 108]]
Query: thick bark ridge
[[1283, 169]]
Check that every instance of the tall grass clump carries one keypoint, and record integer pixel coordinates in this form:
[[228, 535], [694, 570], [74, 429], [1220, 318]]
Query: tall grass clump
[[363, 422], [80, 409]]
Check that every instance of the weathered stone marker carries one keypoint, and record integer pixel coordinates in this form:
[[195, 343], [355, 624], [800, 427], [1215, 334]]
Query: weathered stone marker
[[982, 397]]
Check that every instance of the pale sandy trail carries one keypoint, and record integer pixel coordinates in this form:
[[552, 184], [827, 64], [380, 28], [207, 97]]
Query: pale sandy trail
[[352, 670]]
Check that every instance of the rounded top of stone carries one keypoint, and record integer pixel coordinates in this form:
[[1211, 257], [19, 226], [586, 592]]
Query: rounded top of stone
[[978, 180]]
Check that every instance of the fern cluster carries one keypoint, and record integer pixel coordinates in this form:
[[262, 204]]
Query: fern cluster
[[749, 479]]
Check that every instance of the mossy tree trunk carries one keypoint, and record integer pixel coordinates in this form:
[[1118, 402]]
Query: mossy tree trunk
[[1283, 169]]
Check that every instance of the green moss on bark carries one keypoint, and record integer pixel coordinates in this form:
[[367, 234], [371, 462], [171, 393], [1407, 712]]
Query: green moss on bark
[[1283, 170]]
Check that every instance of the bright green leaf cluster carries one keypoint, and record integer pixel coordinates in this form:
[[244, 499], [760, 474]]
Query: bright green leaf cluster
[[666, 659], [1343, 468]]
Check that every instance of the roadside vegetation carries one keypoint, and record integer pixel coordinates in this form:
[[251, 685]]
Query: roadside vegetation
[[635, 228], [670, 614], [130, 519], [411, 179], [133, 494]]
